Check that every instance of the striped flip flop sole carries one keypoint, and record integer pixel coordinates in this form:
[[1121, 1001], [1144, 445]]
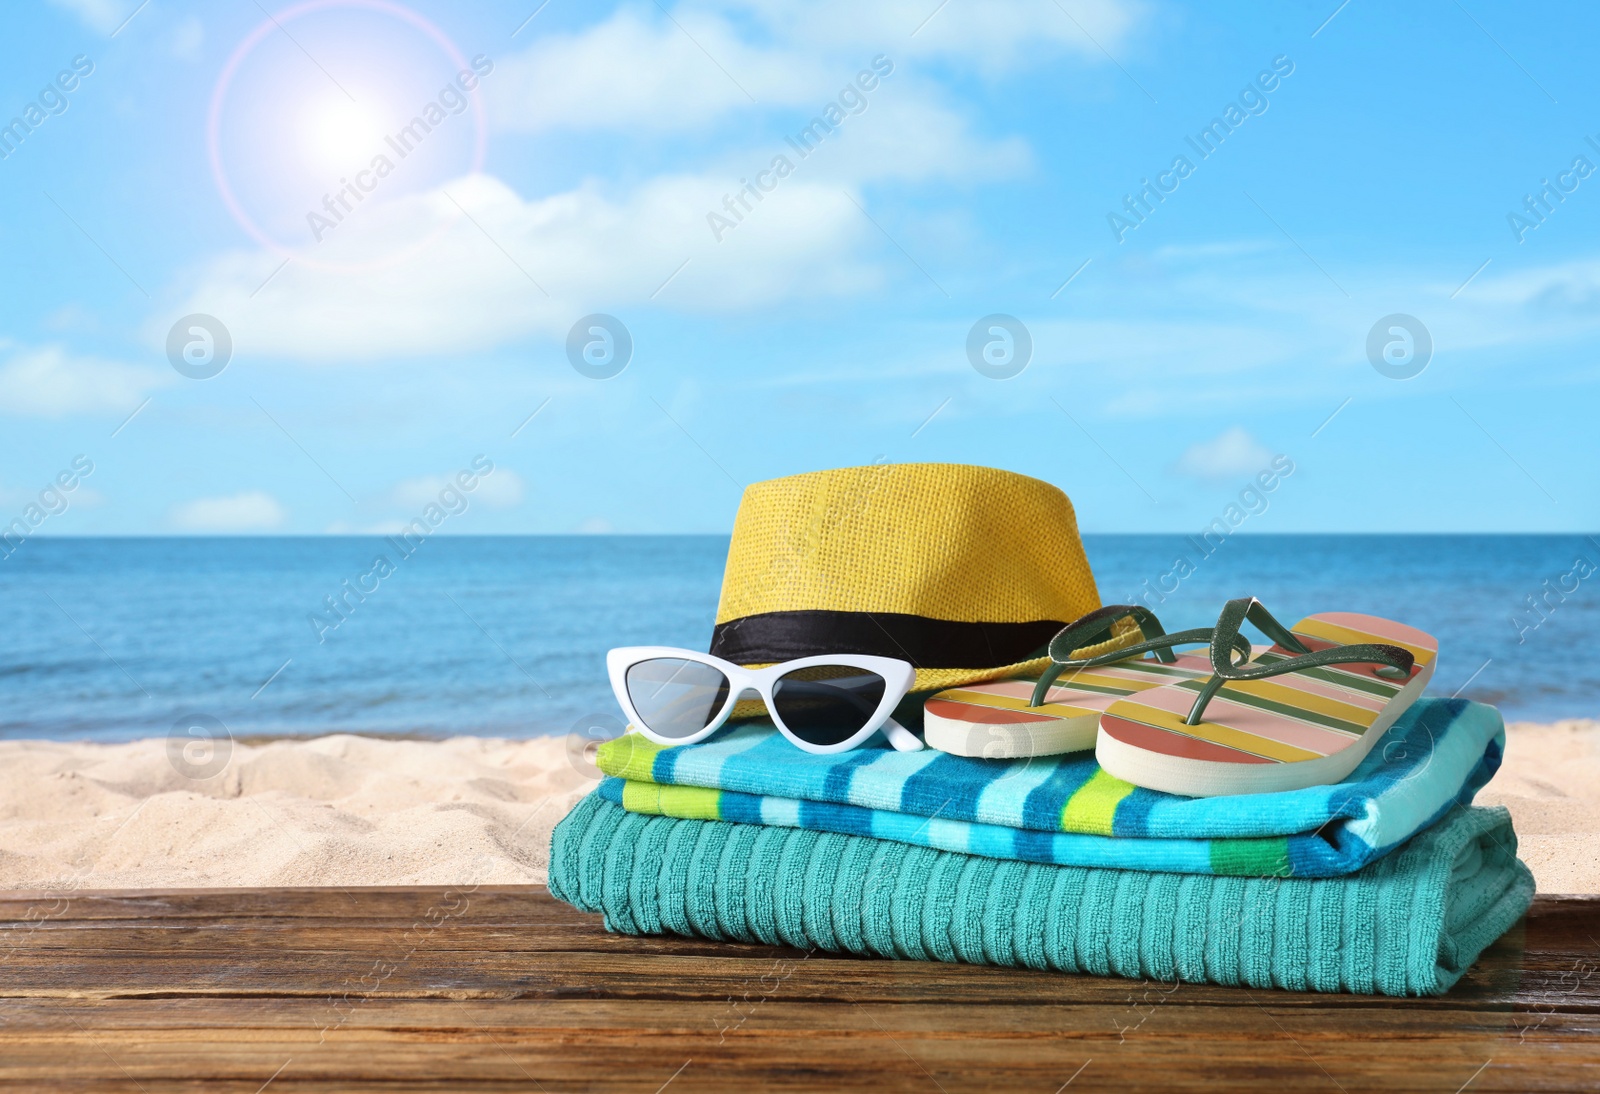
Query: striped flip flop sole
[[1301, 729], [994, 721]]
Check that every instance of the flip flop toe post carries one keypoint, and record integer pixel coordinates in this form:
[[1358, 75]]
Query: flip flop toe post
[[1304, 712], [1060, 712], [1000, 721]]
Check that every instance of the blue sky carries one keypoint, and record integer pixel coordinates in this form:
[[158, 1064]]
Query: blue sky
[[829, 325]]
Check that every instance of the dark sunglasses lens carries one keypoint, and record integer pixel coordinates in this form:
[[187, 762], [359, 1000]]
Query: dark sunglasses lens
[[827, 704], [676, 698]]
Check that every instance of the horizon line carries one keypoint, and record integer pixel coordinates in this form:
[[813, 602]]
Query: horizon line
[[724, 535]]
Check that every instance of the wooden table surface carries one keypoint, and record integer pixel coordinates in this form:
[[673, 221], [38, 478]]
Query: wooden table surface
[[504, 988]]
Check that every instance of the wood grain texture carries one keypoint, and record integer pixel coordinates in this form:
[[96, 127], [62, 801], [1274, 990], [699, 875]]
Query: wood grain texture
[[506, 989]]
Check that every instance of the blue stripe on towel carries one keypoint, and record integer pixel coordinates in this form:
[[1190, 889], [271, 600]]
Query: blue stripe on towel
[[1437, 755]]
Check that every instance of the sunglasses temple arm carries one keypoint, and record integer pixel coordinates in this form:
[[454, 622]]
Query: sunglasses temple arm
[[901, 737]]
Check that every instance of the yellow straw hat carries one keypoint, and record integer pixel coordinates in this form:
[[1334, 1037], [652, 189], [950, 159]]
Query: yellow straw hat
[[966, 572]]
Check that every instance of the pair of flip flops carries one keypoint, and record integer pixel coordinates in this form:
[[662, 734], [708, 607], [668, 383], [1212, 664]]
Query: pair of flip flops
[[1230, 719]]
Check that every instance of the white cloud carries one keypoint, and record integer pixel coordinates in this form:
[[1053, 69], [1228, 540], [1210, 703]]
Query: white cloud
[[645, 74], [900, 129], [594, 526], [469, 284], [1568, 286], [910, 137], [51, 383], [1236, 333], [501, 488], [412, 276], [1201, 252], [992, 36], [640, 71], [422, 491], [80, 497], [186, 38], [251, 511], [1139, 348], [100, 15], [71, 317], [1232, 455]]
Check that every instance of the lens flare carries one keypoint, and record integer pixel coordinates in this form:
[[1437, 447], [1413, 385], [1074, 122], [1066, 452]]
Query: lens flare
[[331, 112]]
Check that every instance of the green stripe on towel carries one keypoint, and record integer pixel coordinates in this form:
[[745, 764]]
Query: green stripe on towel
[[630, 756], [1250, 857], [691, 802], [1093, 805]]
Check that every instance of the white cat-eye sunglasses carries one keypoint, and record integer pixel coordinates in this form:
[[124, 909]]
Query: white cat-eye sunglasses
[[830, 703]]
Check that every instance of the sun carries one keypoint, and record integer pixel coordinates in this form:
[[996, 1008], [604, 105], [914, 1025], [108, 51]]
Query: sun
[[338, 133]]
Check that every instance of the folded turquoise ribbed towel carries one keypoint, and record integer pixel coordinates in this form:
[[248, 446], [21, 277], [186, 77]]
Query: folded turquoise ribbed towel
[[1410, 923]]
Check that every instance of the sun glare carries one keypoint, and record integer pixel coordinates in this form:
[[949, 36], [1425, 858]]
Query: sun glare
[[299, 151], [339, 133]]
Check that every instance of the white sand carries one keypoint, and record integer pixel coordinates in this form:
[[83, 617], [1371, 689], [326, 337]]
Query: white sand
[[1551, 784], [348, 810], [341, 810]]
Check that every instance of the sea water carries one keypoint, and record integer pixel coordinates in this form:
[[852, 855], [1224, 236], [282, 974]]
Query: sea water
[[110, 639]]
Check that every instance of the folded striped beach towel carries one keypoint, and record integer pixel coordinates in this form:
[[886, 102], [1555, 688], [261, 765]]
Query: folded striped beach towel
[[1065, 810], [1409, 924]]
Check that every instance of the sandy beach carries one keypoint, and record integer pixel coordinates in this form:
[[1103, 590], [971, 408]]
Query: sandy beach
[[346, 811], [1551, 784], [341, 810]]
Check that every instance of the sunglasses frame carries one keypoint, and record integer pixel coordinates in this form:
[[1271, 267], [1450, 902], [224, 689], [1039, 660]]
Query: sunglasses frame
[[897, 675]]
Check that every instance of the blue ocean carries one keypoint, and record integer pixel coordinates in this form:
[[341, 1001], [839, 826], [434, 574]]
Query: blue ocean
[[110, 639]]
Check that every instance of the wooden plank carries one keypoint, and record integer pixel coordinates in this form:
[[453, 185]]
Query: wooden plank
[[505, 988]]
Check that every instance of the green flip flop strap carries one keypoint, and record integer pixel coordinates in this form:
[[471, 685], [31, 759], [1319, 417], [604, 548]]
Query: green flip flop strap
[[1396, 661], [1095, 627]]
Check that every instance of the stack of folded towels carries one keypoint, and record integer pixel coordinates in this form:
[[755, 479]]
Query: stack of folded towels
[[1389, 882]]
